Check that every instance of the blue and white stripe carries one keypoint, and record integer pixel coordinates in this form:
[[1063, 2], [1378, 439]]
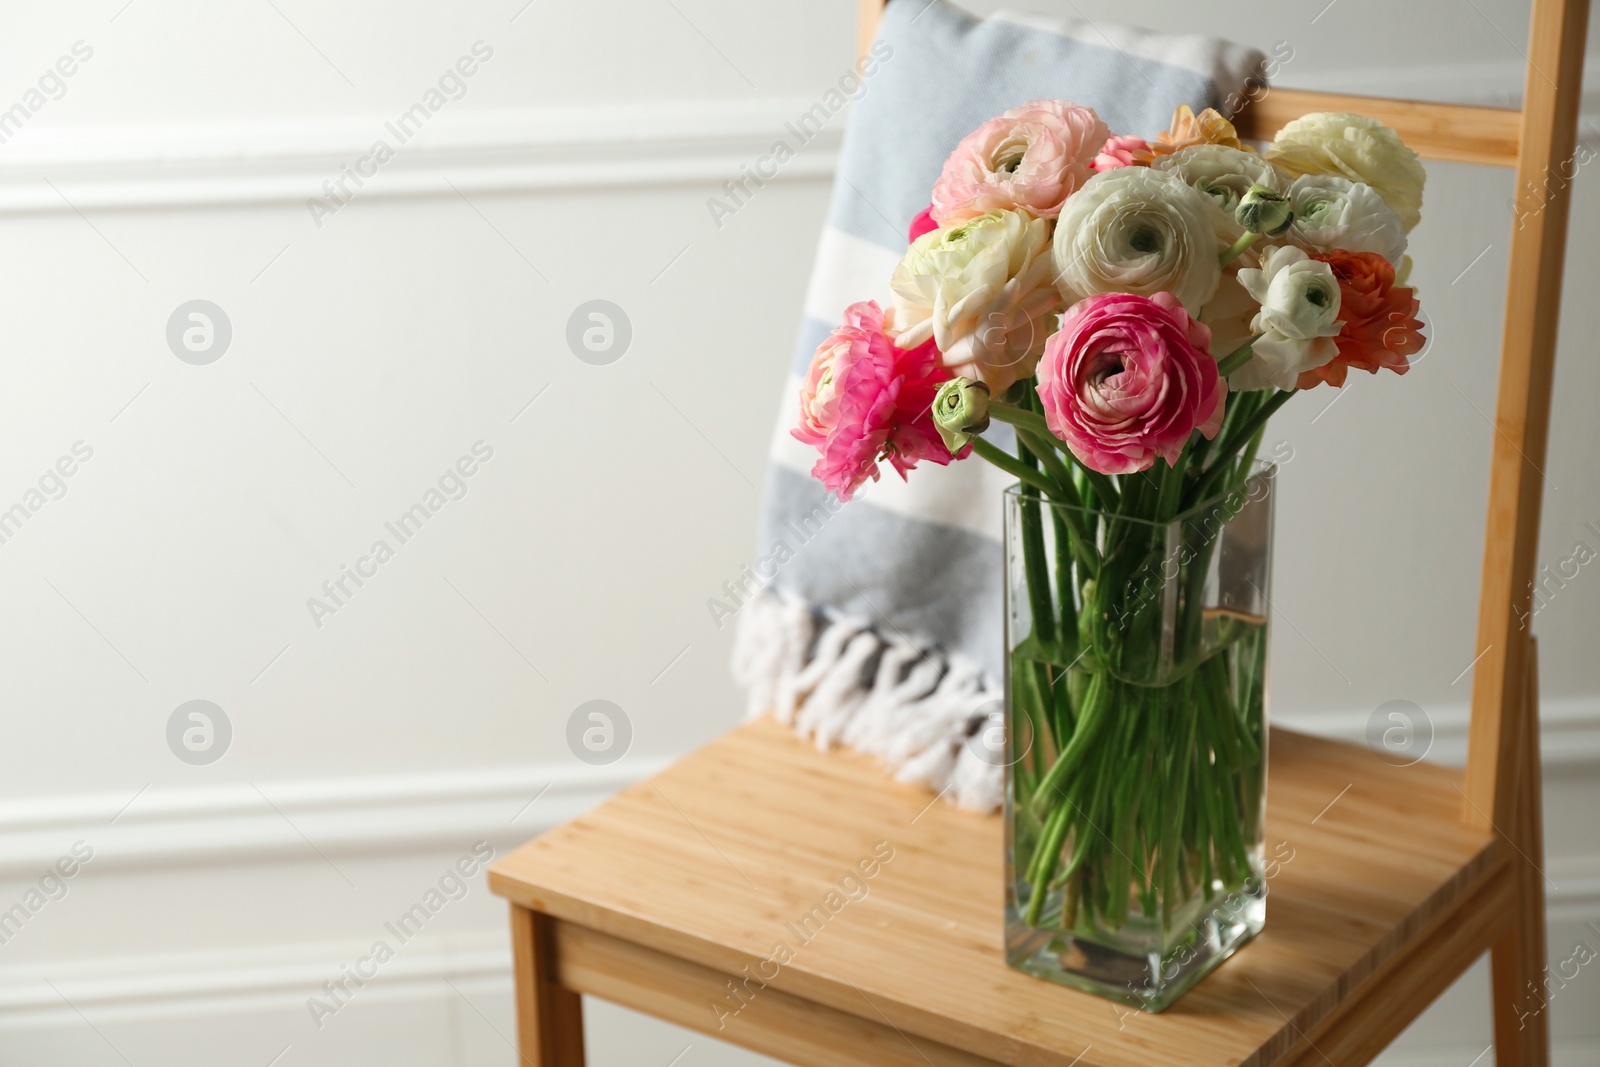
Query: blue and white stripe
[[883, 631]]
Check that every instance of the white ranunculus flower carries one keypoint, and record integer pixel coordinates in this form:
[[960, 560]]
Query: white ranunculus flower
[[1137, 230], [1331, 213], [1222, 175], [1299, 317], [982, 290], [1359, 149]]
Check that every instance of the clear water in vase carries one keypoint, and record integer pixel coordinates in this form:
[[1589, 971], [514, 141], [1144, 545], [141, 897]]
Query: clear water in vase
[[1137, 730]]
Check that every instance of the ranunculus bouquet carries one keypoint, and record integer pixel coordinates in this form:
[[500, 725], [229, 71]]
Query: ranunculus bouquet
[[1135, 311]]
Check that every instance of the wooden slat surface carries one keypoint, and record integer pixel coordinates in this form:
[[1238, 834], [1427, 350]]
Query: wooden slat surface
[[1554, 93], [708, 861], [1372, 1014], [1453, 132], [773, 1022], [549, 1014]]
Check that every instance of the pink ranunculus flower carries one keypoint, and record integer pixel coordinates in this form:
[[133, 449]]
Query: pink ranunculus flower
[[1127, 379], [1031, 158], [1123, 151], [865, 399], [922, 224]]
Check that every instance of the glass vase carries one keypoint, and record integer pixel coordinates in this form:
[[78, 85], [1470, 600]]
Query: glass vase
[[1137, 736]]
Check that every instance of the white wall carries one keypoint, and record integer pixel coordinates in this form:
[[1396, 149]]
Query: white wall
[[371, 352]]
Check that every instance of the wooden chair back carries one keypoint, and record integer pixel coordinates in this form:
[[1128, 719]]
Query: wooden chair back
[[1539, 142]]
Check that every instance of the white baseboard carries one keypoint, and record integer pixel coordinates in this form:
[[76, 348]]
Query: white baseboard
[[243, 980]]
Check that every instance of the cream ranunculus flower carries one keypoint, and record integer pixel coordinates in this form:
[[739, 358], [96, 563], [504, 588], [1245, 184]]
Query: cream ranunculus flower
[[982, 290], [1298, 320], [1222, 175], [1229, 313], [1359, 149], [1137, 230], [1332, 213]]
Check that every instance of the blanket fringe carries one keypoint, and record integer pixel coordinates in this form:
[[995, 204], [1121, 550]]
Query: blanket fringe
[[929, 715]]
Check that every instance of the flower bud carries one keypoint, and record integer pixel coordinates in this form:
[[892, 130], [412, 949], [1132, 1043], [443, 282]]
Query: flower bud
[[960, 409], [1263, 211]]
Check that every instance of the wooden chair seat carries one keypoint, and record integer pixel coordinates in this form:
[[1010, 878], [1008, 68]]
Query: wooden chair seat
[[669, 898]]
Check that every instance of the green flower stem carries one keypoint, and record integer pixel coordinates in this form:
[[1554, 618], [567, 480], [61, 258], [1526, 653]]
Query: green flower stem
[[1239, 407], [1071, 895], [1171, 490], [1011, 465], [1092, 718], [1088, 867], [1018, 416], [1034, 422], [1056, 481], [1248, 457], [1202, 808], [1219, 708], [1222, 455], [1082, 544], [1050, 460], [1172, 827], [1067, 543], [1125, 809], [1050, 842], [1236, 359], [1025, 701], [1047, 830], [1239, 247], [1044, 620]]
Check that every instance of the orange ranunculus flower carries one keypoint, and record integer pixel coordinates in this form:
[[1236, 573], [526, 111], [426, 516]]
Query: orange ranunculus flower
[[1380, 319], [1189, 129]]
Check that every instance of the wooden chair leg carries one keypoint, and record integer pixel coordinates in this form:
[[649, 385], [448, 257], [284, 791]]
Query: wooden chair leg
[[549, 1017], [1521, 993]]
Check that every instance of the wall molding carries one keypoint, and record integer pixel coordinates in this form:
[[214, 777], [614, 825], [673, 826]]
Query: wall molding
[[652, 145], [270, 161], [1569, 731]]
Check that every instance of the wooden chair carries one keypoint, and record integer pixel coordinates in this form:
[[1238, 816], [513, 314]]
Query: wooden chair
[[729, 893]]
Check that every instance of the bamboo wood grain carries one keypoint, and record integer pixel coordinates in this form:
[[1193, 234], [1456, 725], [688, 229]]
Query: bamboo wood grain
[[549, 1015], [1521, 1024], [1453, 132], [712, 863], [770, 1022], [1378, 1010], [1522, 409]]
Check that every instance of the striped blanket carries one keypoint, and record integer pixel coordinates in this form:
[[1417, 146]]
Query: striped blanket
[[878, 625]]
